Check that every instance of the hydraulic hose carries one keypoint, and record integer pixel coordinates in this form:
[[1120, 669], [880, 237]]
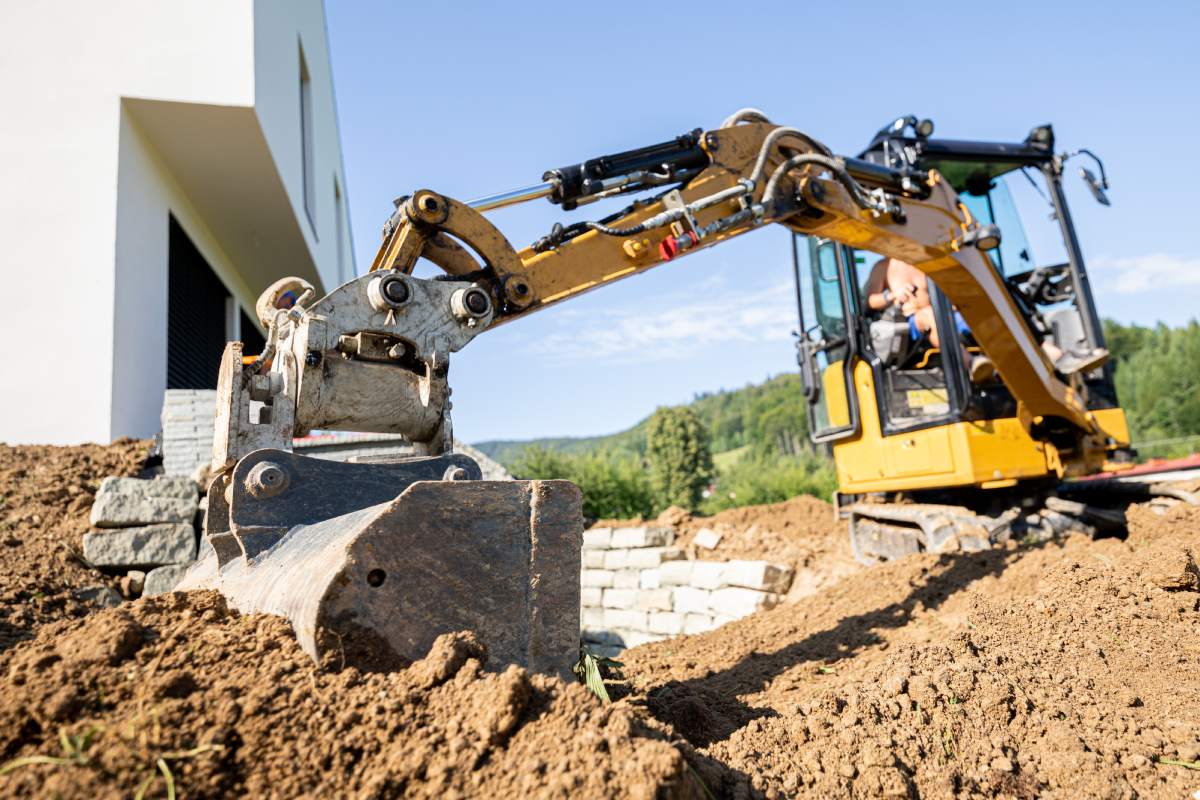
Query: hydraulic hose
[[834, 165], [745, 115]]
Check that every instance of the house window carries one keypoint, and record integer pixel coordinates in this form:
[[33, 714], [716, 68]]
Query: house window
[[340, 216], [306, 142]]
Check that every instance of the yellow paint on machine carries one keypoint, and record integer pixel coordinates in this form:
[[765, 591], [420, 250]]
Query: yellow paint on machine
[[988, 453]]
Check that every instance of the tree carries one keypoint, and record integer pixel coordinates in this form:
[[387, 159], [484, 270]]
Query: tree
[[677, 446]]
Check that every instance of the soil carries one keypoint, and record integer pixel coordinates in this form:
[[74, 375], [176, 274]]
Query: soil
[[1070, 669], [45, 498]]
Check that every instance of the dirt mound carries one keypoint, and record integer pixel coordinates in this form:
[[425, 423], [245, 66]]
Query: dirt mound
[[228, 705], [1060, 671], [45, 497], [1070, 669]]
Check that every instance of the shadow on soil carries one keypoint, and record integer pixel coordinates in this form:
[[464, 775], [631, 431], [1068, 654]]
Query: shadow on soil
[[706, 710]]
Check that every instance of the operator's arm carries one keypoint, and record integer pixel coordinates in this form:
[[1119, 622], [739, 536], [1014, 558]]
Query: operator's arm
[[879, 296]]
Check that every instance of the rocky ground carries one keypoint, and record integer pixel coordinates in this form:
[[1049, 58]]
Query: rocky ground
[[1065, 670]]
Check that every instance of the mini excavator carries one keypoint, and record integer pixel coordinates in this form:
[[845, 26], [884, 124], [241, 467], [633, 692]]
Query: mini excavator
[[371, 561]]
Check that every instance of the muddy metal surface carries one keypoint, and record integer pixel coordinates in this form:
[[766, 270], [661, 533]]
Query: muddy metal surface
[[1070, 669]]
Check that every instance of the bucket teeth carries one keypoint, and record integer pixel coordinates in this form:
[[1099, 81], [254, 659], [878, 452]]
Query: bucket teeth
[[373, 586]]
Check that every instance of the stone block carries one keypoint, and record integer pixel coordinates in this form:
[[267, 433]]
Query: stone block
[[122, 502], [616, 618], [590, 596], [593, 559], [148, 546], [643, 536], [706, 538], [591, 619], [597, 538], [721, 619], [761, 575], [102, 596], [650, 557], [649, 579], [602, 578], [689, 600], [163, 579], [653, 600], [676, 573], [619, 598], [697, 623], [626, 579], [667, 623], [632, 638], [615, 559], [707, 574], [737, 602]]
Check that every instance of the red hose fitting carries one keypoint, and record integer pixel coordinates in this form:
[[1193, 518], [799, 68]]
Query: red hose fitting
[[672, 246]]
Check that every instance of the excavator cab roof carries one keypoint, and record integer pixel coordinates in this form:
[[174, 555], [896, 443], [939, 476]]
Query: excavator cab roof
[[969, 166]]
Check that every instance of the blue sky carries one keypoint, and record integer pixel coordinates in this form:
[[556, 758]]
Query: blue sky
[[474, 98]]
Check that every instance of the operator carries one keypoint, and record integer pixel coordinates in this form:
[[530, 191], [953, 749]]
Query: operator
[[897, 283]]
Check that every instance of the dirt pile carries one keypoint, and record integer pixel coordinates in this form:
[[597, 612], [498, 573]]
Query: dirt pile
[[1061, 671], [1069, 669], [45, 496], [228, 705]]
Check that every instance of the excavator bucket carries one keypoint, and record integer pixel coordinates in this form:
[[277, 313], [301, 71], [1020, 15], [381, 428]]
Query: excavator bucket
[[371, 562]]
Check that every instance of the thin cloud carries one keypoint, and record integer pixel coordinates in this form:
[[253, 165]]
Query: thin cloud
[[676, 331], [1155, 271]]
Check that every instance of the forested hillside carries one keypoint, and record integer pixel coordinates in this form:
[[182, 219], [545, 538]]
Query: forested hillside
[[1157, 372], [769, 414]]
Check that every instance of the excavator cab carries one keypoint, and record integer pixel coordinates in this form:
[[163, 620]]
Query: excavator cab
[[903, 418]]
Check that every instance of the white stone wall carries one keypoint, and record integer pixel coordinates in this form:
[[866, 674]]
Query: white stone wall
[[638, 587], [187, 429]]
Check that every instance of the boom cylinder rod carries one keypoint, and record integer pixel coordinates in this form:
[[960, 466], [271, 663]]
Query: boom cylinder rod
[[514, 196]]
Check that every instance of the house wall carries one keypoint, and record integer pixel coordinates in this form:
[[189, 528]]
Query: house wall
[[85, 219]]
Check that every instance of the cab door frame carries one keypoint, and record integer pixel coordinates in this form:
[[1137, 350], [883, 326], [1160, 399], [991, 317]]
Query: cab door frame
[[808, 350]]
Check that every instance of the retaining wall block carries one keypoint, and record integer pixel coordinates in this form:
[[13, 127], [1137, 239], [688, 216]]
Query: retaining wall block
[[626, 618], [738, 602], [590, 596], [163, 579], [626, 579], [619, 598], [632, 638], [707, 574], [615, 559], [697, 623], [649, 579], [706, 538], [761, 575], [676, 573], [146, 546], [650, 557], [667, 623], [593, 559], [690, 600], [597, 577], [122, 502], [597, 538], [653, 600], [591, 619], [643, 537]]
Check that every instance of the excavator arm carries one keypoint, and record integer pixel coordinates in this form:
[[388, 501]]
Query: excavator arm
[[744, 175]]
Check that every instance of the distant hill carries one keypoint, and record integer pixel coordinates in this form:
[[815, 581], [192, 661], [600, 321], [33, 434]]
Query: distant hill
[[770, 413]]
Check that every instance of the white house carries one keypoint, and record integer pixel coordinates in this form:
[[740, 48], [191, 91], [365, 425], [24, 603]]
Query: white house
[[162, 161]]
